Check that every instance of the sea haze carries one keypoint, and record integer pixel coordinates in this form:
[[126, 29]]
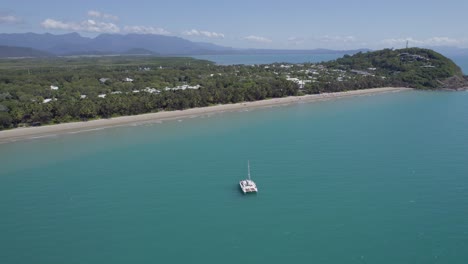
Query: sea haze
[[370, 179], [268, 58], [460, 60]]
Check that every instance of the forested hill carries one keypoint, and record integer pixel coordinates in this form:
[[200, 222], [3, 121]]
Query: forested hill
[[413, 67], [19, 52], [64, 89]]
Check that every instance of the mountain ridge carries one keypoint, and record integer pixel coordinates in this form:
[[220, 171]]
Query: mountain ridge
[[107, 44]]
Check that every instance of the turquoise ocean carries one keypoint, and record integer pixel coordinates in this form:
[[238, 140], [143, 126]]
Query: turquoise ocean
[[368, 179]]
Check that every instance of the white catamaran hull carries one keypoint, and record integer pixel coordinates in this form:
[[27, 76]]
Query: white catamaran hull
[[248, 185]]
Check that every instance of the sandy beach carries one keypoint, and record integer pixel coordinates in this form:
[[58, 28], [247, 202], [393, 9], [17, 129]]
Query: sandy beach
[[44, 131]]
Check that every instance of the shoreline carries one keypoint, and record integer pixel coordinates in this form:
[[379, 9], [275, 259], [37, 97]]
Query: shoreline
[[25, 133]]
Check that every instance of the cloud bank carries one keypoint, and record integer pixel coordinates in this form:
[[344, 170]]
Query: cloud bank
[[336, 39], [201, 33], [97, 14], [89, 25], [258, 39], [146, 30], [9, 19], [98, 26], [433, 41]]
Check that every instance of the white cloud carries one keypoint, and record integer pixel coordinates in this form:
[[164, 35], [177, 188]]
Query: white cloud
[[146, 30], [86, 26], [97, 14], [93, 13], [336, 39], [434, 41], [296, 40], [9, 19], [201, 33], [258, 39]]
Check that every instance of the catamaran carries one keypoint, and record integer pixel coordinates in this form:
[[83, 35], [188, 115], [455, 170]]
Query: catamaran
[[248, 185]]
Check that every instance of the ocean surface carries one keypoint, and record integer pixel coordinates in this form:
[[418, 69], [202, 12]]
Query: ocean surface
[[369, 179]]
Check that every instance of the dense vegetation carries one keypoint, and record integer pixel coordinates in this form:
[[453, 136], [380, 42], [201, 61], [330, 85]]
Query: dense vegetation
[[56, 90], [414, 67]]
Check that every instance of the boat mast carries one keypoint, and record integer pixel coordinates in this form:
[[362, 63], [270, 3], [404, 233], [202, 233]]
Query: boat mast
[[248, 168]]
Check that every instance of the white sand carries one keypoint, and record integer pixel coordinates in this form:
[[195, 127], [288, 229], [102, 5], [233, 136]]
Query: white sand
[[44, 131]]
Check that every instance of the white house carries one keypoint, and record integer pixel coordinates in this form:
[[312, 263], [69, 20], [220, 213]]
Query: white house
[[183, 87], [47, 100], [102, 96], [300, 83], [128, 80], [53, 87], [103, 80], [151, 90]]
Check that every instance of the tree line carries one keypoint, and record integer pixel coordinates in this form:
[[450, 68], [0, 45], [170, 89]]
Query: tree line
[[26, 84]]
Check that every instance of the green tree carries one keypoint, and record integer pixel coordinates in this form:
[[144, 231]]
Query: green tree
[[5, 120]]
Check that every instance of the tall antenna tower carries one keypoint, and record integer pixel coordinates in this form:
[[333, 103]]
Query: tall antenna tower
[[407, 43]]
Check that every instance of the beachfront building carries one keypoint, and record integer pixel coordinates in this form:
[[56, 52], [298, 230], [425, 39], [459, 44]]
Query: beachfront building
[[183, 87], [407, 57], [151, 90], [103, 80], [362, 73], [300, 83], [48, 100]]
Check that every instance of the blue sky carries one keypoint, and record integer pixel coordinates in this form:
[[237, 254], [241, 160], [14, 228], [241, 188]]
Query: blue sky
[[293, 24]]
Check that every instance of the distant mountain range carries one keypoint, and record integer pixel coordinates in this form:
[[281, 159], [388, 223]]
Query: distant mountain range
[[109, 44], [75, 44]]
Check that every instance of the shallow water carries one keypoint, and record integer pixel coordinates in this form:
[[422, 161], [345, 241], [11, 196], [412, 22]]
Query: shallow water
[[369, 179]]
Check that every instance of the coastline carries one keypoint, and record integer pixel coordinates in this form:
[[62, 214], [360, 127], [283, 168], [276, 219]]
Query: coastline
[[25, 133]]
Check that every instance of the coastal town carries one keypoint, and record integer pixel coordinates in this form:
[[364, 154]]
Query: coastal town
[[51, 93], [307, 77]]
